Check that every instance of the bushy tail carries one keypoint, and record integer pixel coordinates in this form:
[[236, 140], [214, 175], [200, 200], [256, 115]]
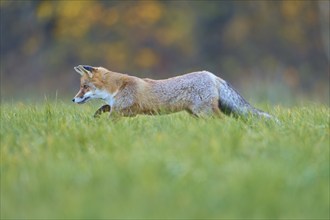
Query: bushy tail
[[231, 102]]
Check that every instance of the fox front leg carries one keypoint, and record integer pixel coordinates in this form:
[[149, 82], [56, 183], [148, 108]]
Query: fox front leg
[[101, 110]]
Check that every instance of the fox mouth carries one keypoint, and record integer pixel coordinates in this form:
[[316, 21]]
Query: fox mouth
[[84, 100]]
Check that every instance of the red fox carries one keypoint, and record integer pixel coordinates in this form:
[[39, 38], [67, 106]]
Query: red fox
[[199, 93]]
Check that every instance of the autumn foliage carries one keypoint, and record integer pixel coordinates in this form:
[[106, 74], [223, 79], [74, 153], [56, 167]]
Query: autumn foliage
[[286, 42]]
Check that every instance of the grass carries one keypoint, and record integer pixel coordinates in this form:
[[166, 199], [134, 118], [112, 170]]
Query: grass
[[59, 162]]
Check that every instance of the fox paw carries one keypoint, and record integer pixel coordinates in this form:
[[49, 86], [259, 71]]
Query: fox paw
[[101, 110]]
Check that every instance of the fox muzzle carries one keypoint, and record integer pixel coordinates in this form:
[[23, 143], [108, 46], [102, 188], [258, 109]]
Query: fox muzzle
[[81, 100]]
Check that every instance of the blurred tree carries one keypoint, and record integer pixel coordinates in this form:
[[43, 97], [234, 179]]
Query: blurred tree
[[286, 40]]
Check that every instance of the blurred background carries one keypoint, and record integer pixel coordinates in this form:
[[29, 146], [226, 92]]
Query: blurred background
[[272, 51]]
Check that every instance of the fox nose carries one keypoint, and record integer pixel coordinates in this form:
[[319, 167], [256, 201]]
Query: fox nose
[[73, 99]]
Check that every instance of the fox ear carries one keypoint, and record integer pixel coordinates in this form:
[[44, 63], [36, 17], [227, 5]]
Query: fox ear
[[84, 70], [89, 68]]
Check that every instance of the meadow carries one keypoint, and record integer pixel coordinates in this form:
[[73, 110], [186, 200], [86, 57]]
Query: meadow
[[57, 161]]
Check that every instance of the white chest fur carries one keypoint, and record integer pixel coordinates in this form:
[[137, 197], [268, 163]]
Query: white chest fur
[[106, 96]]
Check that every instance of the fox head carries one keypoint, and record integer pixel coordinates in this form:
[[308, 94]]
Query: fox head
[[91, 83]]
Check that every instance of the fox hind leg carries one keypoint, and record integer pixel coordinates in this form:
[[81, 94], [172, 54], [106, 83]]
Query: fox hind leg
[[205, 109]]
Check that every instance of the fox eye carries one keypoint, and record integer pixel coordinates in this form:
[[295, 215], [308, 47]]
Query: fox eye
[[85, 86]]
